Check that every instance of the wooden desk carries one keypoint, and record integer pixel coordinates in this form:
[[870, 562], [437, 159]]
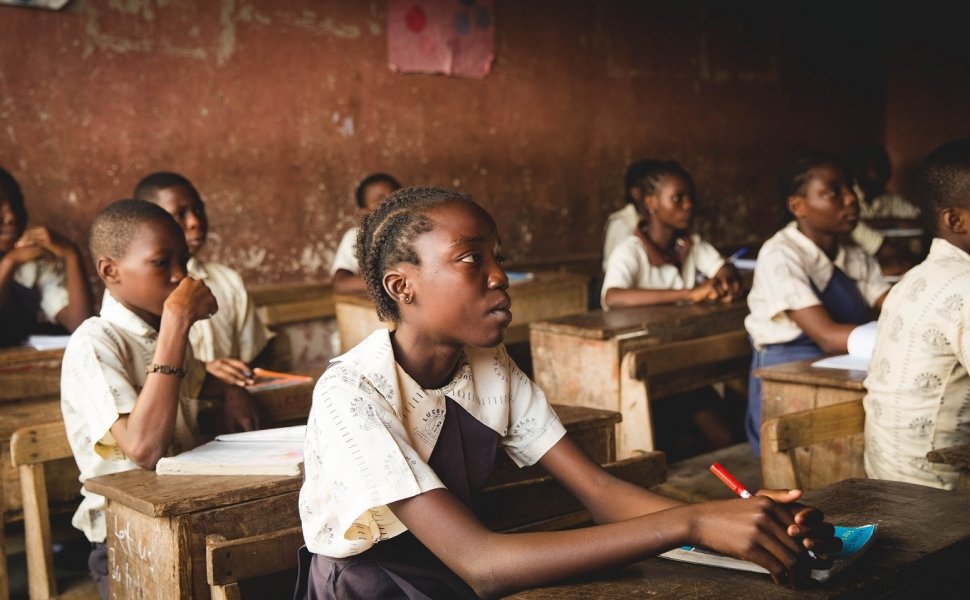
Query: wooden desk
[[922, 549], [30, 392], [797, 386], [579, 360], [157, 525], [551, 294]]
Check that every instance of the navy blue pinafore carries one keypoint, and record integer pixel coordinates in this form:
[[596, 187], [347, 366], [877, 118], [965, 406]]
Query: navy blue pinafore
[[844, 303]]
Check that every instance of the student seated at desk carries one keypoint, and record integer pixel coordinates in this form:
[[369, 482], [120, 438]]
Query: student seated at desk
[[879, 210], [621, 223], [128, 378], [43, 286], [234, 338], [404, 429], [660, 263], [345, 271], [918, 387], [812, 286]]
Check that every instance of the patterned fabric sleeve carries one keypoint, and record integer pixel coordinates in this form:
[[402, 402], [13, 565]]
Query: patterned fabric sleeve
[[534, 426], [358, 459]]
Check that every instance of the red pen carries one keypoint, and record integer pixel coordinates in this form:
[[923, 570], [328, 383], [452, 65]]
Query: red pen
[[729, 481]]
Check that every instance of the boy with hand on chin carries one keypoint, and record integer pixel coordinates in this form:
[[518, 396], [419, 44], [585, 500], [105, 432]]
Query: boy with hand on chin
[[128, 379]]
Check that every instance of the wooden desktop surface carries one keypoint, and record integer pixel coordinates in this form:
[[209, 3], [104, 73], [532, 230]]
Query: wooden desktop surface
[[549, 294], [678, 321], [921, 549], [797, 386]]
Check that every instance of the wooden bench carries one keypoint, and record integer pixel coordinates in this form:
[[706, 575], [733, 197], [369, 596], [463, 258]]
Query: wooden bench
[[231, 562], [957, 457], [31, 449], [784, 438]]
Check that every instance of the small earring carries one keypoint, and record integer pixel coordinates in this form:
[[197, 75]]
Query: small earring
[[407, 299], [651, 210]]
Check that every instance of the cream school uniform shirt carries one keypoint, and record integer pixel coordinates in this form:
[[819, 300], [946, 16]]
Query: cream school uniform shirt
[[46, 275], [372, 429], [101, 375], [788, 263], [619, 225], [345, 258], [629, 267], [235, 331], [918, 389]]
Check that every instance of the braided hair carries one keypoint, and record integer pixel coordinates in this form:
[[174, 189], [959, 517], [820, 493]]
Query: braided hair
[[647, 174], [386, 238]]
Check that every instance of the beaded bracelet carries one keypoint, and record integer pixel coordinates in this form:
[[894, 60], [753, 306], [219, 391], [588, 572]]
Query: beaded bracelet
[[165, 370]]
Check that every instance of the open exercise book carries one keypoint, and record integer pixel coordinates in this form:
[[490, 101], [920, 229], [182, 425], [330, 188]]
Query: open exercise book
[[264, 452], [855, 541], [862, 341]]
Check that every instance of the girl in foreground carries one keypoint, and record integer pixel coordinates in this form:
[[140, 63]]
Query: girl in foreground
[[404, 428]]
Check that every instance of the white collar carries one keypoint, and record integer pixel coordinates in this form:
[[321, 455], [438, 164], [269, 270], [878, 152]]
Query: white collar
[[119, 315]]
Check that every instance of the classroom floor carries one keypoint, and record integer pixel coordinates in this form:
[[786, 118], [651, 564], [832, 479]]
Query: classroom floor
[[70, 556]]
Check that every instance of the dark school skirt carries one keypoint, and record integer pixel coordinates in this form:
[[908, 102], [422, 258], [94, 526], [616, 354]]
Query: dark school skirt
[[402, 567]]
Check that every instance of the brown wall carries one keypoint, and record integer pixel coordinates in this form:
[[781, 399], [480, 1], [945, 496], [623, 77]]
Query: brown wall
[[275, 108], [928, 100]]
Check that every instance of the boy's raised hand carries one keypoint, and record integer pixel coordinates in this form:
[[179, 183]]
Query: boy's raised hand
[[191, 300]]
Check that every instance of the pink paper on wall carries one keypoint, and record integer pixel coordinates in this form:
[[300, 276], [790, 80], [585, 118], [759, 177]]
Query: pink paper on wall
[[454, 37]]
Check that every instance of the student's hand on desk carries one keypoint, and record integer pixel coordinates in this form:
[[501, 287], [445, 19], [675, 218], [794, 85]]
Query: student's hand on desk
[[808, 525], [727, 282], [191, 301], [239, 412], [704, 291], [231, 371]]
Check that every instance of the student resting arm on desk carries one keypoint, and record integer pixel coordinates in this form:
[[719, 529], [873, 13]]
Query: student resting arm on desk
[[41, 271], [404, 428], [661, 263], [812, 286], [128, 378]]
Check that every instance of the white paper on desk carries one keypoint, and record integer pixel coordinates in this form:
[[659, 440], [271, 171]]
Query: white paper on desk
[[296, 433], [902, 232], [745, 264], [237, 458], [861, 343], [48, 342]]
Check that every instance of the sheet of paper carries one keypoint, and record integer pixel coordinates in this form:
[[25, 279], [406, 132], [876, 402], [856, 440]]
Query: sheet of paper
[[296, 434], [844, 361], [48, 342]]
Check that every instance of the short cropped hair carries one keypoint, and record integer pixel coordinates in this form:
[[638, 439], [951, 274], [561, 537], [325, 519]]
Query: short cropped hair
[[387, 234], [150, 185], [370, 180], [943, 180], [114, 227], [11, 190]]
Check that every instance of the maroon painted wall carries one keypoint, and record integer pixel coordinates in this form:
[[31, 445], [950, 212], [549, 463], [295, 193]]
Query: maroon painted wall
[[275, 108]]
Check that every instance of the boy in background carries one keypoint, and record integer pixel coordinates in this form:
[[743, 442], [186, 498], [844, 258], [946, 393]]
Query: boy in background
[[235, 338], [128, 378]]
